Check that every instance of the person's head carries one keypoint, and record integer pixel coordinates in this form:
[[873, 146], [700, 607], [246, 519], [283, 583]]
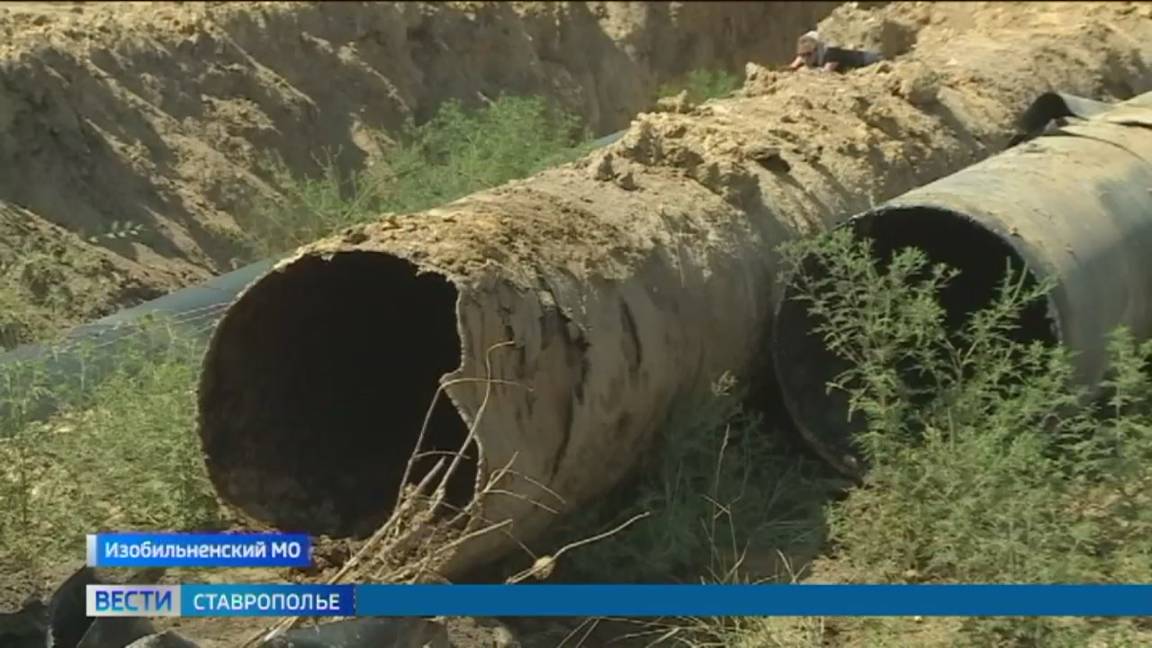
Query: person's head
[[808, 47]]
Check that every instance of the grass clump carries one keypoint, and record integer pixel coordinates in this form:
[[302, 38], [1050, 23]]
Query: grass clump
[[457, 152], [32, 292], [719, 489], [119, 454]]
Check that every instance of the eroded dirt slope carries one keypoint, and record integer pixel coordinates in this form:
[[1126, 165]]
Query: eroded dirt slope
[[158, 114]]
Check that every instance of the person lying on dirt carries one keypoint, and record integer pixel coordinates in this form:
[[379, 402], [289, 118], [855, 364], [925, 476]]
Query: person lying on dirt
[[812, 52]]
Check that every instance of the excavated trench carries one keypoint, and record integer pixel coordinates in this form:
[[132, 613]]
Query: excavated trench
[[341, 360], [169, 123]]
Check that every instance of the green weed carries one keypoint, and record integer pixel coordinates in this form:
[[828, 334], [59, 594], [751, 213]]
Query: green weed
[[456, 153], [120, 453], [986, 465], [717, 490]]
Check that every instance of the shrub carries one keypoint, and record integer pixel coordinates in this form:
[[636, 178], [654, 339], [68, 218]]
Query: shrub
[[985, 464]]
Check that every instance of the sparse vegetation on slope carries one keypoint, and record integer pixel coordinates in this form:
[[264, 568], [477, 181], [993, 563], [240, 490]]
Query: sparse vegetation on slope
[[454, 154]]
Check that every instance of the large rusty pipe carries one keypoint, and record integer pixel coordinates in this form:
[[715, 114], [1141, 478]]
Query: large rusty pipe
[[623, 282], [1073, 206]]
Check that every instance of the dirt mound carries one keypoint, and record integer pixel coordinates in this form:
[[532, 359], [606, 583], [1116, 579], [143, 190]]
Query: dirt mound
[[974, 67], [158, 115]]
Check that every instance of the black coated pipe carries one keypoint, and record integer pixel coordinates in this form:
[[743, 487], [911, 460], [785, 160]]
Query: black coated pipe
[[1056, 109], [1072, 206], [89, 352]]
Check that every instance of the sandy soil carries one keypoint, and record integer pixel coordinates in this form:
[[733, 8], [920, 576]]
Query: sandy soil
[[157, 115]]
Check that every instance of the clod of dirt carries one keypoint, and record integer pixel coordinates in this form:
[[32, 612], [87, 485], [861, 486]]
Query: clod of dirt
[[675, 104], [919, 85], [627, 181], [767, 156], [601, 167], [853, 26]]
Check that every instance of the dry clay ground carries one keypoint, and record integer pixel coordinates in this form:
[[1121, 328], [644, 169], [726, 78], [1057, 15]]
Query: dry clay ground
[[155, 118], [159, 115]]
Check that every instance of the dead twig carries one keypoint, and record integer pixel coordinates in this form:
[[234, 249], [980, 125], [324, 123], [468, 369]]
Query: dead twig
[[544, 565]]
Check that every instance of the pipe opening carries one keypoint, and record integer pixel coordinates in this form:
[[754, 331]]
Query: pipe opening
[[316, 387], [804, 366]]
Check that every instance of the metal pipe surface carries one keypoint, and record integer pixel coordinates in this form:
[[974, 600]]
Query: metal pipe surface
[[1073, 206]]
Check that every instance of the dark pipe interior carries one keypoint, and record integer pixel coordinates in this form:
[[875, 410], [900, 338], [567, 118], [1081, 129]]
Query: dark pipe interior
[[317, 387], [804, 366]]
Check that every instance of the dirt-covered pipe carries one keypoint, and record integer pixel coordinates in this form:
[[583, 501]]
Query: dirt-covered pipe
[[624, 282], [1072, 206]]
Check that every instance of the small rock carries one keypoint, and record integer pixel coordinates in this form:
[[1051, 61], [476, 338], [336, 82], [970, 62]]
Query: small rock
[[603, 169], [627, 182], [920, 87], [678, 104]]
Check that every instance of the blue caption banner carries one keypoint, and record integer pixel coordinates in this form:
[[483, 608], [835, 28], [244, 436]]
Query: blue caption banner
[[753, 600], [199, 550], [619, 600]]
